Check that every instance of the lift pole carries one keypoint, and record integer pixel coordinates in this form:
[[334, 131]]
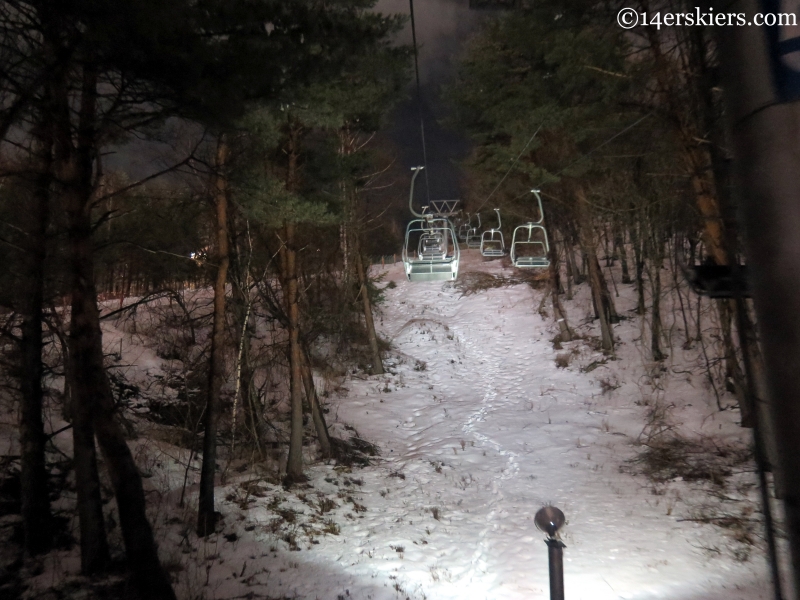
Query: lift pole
[[761, 68]]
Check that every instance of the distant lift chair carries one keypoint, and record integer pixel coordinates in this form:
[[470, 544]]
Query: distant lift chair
[[529, 246], [430, 251], [474, 235], [464, 228], [492, 243]]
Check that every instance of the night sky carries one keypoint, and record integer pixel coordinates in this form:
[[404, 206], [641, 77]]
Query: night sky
[[442, 28]]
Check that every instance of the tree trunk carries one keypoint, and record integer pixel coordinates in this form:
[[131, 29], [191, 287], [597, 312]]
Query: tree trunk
[[72, 170], [584, 266], [655, 313], [619, 243], [345, 247], [608, 299], [595, 276], [714, 239], [317, 415], [288, 252], [565, 333], [676, 283], [95, 404], [95, 555], [92, 395], [245, 385], [36, 515], [206, 515], [294, 462], [641, 306], [377, 363], [568, 253], [734, 375]]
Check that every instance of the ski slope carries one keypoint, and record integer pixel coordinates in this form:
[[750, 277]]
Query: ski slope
[[477, 430]]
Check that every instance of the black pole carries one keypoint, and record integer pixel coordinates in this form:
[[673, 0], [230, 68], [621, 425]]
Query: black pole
[[763, 107], [555, 551], [759, 450]]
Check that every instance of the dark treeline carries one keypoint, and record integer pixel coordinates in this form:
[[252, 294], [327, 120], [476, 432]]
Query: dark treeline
[[261, 196]]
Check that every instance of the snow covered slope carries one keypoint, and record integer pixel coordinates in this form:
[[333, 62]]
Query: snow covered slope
[[480, 422], [478, 429]]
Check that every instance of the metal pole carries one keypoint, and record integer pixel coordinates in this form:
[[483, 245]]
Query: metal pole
[[762, 89], [419, 101], [555, 552]]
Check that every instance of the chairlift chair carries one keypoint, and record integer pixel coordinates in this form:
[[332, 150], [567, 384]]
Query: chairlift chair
[[431, 246], [492, 243], [463, 229], [473, 235], [430, 251], [718, 281], [530, 248]]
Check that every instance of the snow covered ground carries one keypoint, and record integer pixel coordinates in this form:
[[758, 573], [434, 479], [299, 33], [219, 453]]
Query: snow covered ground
[[477, 429]]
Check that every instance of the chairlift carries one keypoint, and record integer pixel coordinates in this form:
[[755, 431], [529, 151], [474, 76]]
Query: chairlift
[[430, 251], [492, 243], [431, 246], [474, 235], [529, 246], [463, 229], [444, 208], [718, 281]]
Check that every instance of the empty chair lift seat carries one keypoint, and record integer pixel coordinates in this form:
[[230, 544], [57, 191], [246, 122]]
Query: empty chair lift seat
[[474, 235], [529, 247], [431, 247], [492, 243], [431, 251]]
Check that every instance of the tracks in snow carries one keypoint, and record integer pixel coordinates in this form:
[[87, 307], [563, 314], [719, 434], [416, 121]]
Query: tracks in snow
[[476, 373], [509, 467]]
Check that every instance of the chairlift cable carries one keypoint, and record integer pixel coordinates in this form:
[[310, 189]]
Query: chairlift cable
[[577, 160], [511, 168], [581, 157], [608, 141], [419, 101]]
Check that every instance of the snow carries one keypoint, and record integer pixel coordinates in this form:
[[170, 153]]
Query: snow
[[477, 428]]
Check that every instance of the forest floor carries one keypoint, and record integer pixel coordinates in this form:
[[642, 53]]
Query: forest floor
[[480, 421]]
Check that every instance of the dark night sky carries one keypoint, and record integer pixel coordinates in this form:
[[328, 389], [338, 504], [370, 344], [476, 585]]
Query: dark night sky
[[442, 27]]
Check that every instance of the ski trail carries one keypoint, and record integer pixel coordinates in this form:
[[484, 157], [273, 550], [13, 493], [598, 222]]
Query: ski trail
[[485, 367], [479, 431], [481, 558]]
